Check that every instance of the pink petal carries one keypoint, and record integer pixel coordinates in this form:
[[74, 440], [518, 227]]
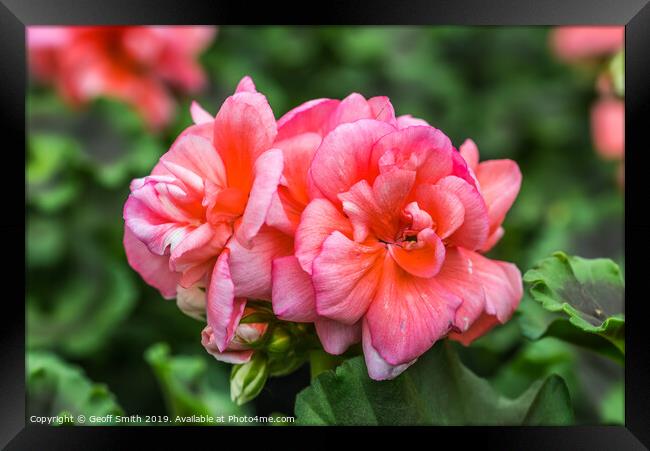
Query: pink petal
[[199, 115], [425, 150], [343, 156], [224, 310], [406, 120], [456, 275], [422, 258], [319, 220], [154, 269], [193, 156], [470, 154], [493, 239], [445, 208], [243, 129], [500, 182], [501, 282], [337, 337], [251, 267], [480, 327], [378, 368], [202, 244], [345, 277], [208, 341], [351, 109], [382, 110], [311, 117], [473, 233], [293, 293], [246, 85], [298, 151], [408, 314], [268, 170], [571, 43]]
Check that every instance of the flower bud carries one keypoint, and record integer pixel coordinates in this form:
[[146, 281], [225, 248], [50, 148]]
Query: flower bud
[[280, 341], [248, 379]]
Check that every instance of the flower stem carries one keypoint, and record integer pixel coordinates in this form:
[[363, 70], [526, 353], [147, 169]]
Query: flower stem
[[320, 361]]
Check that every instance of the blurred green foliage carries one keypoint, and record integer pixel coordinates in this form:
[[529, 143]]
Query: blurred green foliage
[[499, 86]]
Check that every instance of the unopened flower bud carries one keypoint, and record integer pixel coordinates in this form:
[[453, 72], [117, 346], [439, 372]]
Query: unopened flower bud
[[280, 341], [248, 379], [191, 301]]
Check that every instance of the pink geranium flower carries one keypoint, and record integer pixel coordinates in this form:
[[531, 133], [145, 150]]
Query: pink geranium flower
[[195, 229], [576, 43], [608, 127], [387, 221], [133, 64]]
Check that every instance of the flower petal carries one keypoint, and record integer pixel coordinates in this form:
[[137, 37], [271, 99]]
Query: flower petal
[[208, 341], [469, 152], [480, 327], [378, 368], [382, 110], [408, 314], [343, 156], [293, 293], [199, 115], [345, 277], [337, 337], [251, 267], [423, 258], [268, 170], [318, 221], [246, 85], [311, 116], [445, 208], [224, 310], [244, 128], [500, 181], [154, 269], [473, 233]]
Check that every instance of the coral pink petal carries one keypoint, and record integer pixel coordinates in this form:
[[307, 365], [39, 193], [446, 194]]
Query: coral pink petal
[[470, 154], [251, 267], [223, 309], [319, 220], [473, 233], [298, 151], [480, 327], [268, 170], [422, 258], [244, 128], [351, 109], [500, 182], [493, 239], [246, 85], [457, 276], [446, 209], [293, 293], [425, 150], [501, 282], [234, 357], [406, 120], [408, 314], [571, 43], [154, 269], [202, 244], [193, 156], [382, 110], [345, 277], [337, 337], [199, 115], [311, 117], [343, 156], [378, 368]]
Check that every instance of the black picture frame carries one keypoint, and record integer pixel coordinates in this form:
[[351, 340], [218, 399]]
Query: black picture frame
[[15, 15]]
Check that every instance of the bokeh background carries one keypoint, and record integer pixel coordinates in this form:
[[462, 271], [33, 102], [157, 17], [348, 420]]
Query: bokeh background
[[100, 339]]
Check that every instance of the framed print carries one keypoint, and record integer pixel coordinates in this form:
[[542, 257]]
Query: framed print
[[382, 215]]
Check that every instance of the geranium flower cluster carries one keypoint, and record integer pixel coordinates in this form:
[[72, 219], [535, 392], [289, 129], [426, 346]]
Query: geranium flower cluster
[[134, 64], [339, 214]]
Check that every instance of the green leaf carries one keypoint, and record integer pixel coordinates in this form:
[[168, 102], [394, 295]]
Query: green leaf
[[586, 299], [191, 386], [436, 390], [55, 388], [612, 407]]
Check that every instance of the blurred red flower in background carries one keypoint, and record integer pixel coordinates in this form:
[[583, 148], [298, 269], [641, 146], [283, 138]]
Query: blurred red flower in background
[[137, 65]]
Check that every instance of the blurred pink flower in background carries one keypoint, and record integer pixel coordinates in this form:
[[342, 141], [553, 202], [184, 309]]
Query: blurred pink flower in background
[[577, 43], [138, 65]]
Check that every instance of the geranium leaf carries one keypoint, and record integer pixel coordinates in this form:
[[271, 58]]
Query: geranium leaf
[[437, 390], [585, 297]]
